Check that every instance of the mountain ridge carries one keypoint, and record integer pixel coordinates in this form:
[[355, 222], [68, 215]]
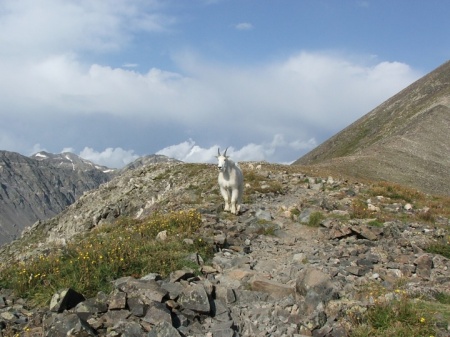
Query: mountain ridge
[[404, 140], [41, 186], [69, 160], [37, 189]]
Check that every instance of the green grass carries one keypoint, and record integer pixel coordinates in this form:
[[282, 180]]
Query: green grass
[[261, 184], [126, 248], [315, 218], [441, 248], [376, 223], [403, 194], [295, 212], [443, 298], [401, 316], [267, 228]]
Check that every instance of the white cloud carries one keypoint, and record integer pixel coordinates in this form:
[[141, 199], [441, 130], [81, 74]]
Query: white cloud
[[309, 95], [243, 26], [31, 28], [110, 157], [37, 148], [68, 149], [188, 151], [269, 111]]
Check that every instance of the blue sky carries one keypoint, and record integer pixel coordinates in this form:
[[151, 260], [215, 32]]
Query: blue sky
[[118, 79]]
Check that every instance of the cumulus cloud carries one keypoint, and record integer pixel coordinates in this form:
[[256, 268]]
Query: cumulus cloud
[[309, 95], [53, 26], [308, 87], [189, 151], [112, 158]]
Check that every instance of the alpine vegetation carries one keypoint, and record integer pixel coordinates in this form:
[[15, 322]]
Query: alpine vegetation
[[231, 182]]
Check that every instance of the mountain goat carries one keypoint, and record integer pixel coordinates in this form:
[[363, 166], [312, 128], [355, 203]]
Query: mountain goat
[[231, 182]]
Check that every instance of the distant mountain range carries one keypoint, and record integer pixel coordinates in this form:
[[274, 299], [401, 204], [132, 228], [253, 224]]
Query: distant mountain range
[[405, 140], [67, 160], [43, 185]]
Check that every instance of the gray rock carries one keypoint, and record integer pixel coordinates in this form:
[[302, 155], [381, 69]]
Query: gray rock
[[147, 290], [136, 306], [274, 289], [163, 329], [70, 325], [157, 312], [424, 264], [262, 214], [194, 297], [127, 329], [117, 300], [316, 287], [65, 300]]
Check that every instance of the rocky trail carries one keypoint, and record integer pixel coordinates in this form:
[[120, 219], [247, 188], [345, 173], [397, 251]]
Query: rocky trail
[[273, 274]]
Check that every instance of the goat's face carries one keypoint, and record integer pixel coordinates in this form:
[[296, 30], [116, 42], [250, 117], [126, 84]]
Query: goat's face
[[222, 162]]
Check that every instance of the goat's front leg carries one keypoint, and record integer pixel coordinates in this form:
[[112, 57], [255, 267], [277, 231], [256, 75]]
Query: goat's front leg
[[226, 197], [234, 198]]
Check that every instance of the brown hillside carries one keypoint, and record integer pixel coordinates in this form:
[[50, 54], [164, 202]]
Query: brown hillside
[[405, 140]]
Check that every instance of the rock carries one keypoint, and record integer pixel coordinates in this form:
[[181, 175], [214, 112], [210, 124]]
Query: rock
[[262, 214], [147, 290], [136, 306], [118, 300], [65, 300], [163, 329], [194, 297], [70, 325], [161, 236], [424, 264], [315, 287], [157, 312], [274, 289], [365, 232]]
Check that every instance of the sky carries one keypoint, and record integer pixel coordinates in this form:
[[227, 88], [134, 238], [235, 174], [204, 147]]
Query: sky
[[114, 80]]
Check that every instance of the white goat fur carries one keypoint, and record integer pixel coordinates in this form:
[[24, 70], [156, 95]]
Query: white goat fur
[[231, 182]]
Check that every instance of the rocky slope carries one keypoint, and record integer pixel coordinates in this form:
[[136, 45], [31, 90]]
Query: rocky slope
[[146, 160], [404, 140], [40, 187], [272, 274]]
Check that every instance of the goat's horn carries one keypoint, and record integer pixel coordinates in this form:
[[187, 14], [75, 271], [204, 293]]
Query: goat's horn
[[225, 153], [218, 152]]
